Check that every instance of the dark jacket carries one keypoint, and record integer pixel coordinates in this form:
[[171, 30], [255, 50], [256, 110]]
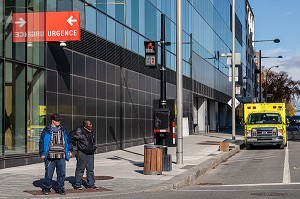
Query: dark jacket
[[45, 138], [84, 140]]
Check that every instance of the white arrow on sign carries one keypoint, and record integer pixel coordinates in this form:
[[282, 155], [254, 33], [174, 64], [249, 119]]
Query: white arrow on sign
[[21, 23], [71, 20], [236, 102]]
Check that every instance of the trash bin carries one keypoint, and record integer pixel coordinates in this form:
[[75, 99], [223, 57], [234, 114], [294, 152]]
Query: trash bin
[[153, 159]]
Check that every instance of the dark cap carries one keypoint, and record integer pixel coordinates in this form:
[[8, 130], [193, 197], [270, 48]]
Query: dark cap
[[56, 117]]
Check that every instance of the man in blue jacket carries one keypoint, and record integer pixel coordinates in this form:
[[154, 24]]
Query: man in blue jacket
[[55, 148]]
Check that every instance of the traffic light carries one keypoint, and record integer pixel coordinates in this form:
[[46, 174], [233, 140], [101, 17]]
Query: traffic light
[[150, 54]]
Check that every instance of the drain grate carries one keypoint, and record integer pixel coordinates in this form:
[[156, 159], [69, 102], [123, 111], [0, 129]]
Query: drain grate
[[269, 194]]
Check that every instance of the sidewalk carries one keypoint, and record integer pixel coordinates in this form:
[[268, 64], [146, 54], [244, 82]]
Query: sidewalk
[[121, 171]]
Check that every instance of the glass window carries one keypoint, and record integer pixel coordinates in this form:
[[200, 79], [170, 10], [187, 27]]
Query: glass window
[[36, 109], [111, 30], [1, 28], [141, 45], [135, 44], [128, 38], [64, 5], [120, 11], [79, 6], [128, 12], [93, 2], [135, 15], [141, 17], [35, 50], [35, 53], [120, 34], [101, 5], [1, 110], [13, 50], [51, 6], [101, 24], [14, 113], [111, 8], [90, 19]]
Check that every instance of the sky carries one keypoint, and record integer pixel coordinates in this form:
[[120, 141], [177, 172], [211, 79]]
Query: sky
[[278, 19]]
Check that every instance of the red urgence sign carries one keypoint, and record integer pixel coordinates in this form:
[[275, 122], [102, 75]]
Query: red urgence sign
[[46, 26]]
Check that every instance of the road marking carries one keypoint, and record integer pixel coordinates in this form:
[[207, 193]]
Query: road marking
[[253, 185], [286, 169], [233, 190]]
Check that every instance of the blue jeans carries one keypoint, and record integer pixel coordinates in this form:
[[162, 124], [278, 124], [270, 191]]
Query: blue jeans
[[50, 165], [84, 161]]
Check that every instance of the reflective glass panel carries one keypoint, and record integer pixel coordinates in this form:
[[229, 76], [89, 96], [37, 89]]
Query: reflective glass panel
[[14, 113], [13, 50], [36, 109], [111, 30], [64, 5], [90, 19], [120, 11], [101, 24], [51, 6], [120, 34], [1, 28], [1, 108]]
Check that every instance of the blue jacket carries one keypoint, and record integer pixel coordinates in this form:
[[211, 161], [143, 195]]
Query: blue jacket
[[45, 138]]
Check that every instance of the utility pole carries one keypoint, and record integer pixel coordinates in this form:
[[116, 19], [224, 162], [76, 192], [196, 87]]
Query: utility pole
[[260, 78], [233, 69], [179, 87]]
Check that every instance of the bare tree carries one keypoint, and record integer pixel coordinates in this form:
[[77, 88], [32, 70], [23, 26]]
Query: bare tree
[[283, 88]]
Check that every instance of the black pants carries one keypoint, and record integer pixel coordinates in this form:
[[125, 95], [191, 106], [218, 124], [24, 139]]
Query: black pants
[[84, 161]]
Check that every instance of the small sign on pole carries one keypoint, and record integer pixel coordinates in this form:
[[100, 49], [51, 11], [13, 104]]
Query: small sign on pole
[[236, 103], [150, 54]]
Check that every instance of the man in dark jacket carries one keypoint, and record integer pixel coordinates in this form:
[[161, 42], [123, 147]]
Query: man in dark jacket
[[55, 148], [84, 139]]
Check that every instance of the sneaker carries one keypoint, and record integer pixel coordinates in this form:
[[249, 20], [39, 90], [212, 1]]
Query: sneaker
[[78, 187], [93, 187], [46, 191], [61, 191]]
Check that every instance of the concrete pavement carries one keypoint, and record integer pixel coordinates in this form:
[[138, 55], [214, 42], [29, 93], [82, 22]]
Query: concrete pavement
[[121, 171]]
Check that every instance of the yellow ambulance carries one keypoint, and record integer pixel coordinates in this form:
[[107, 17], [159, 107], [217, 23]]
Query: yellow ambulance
[[265, 124]]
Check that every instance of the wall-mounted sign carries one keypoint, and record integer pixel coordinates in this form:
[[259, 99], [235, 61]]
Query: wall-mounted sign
[[46, 26]]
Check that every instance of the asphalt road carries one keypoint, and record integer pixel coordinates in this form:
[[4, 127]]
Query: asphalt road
[[263, 172]]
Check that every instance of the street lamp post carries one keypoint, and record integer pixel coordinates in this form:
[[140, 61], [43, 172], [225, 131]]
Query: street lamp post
[[260, 73], [259, 64], [233, 69], [266, 86]]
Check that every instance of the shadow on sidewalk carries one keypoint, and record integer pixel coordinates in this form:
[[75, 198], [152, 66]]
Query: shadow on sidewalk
[[138, 164]]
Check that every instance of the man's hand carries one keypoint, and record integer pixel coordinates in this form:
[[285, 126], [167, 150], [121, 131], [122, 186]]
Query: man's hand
[[42, 156], [70, 154]]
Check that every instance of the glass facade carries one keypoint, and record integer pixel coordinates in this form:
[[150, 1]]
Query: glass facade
[[103, 77], [22, 75]]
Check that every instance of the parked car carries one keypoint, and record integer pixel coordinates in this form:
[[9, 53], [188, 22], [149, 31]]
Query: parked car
[[289, 119], [296, 119]]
